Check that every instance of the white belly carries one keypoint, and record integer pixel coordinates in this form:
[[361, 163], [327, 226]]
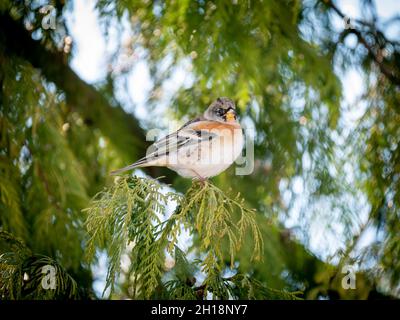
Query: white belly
[[209, 158]]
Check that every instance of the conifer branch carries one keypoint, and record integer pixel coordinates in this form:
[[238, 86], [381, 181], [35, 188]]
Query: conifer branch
[[374, 48], [22, 273], [127, 218], [128, 137]]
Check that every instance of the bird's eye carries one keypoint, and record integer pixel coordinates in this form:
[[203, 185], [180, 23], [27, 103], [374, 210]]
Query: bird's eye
[[220, 111]]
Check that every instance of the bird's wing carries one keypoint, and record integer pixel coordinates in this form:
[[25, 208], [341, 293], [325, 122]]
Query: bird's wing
[[187, 136]]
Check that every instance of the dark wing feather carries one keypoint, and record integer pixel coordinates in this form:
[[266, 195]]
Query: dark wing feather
[[184, 137]]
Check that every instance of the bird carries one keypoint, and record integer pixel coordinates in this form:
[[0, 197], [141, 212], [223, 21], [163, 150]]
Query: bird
[[202, 148]]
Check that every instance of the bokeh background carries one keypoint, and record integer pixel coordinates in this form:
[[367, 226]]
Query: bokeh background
[[316, 81]]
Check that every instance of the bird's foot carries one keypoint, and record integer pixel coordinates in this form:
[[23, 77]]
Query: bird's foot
[[203, 181], [200, 179]]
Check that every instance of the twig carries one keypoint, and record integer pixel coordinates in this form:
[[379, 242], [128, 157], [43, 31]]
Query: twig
[[375, 53]]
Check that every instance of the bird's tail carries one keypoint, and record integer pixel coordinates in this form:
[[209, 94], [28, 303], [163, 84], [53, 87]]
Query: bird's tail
[[140, 163]]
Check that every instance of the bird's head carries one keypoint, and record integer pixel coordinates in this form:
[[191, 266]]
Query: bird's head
[[222, 110]]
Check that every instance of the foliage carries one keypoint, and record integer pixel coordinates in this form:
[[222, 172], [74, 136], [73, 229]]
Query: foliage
[[129, 212], [321, 180], [127, 217], [22, 274]]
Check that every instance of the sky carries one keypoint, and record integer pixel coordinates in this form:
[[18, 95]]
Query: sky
[[92, 53]]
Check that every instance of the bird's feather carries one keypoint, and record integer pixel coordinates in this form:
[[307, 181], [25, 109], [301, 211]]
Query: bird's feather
[[187, 136]]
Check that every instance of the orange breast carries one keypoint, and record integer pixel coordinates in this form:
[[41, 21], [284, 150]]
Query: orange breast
[[214, 125]]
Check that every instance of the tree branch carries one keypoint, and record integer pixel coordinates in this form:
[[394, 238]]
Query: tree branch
[[375, 53], [122, 129]]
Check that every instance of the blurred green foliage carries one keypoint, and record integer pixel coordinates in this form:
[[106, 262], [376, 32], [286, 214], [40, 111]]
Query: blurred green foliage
[[127, 219], [280, 61]]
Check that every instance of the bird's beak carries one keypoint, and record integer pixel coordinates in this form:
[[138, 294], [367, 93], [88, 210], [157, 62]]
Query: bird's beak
[[230, 115]]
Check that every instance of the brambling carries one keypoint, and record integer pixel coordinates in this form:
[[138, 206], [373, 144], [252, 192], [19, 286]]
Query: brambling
[[202, 147]]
